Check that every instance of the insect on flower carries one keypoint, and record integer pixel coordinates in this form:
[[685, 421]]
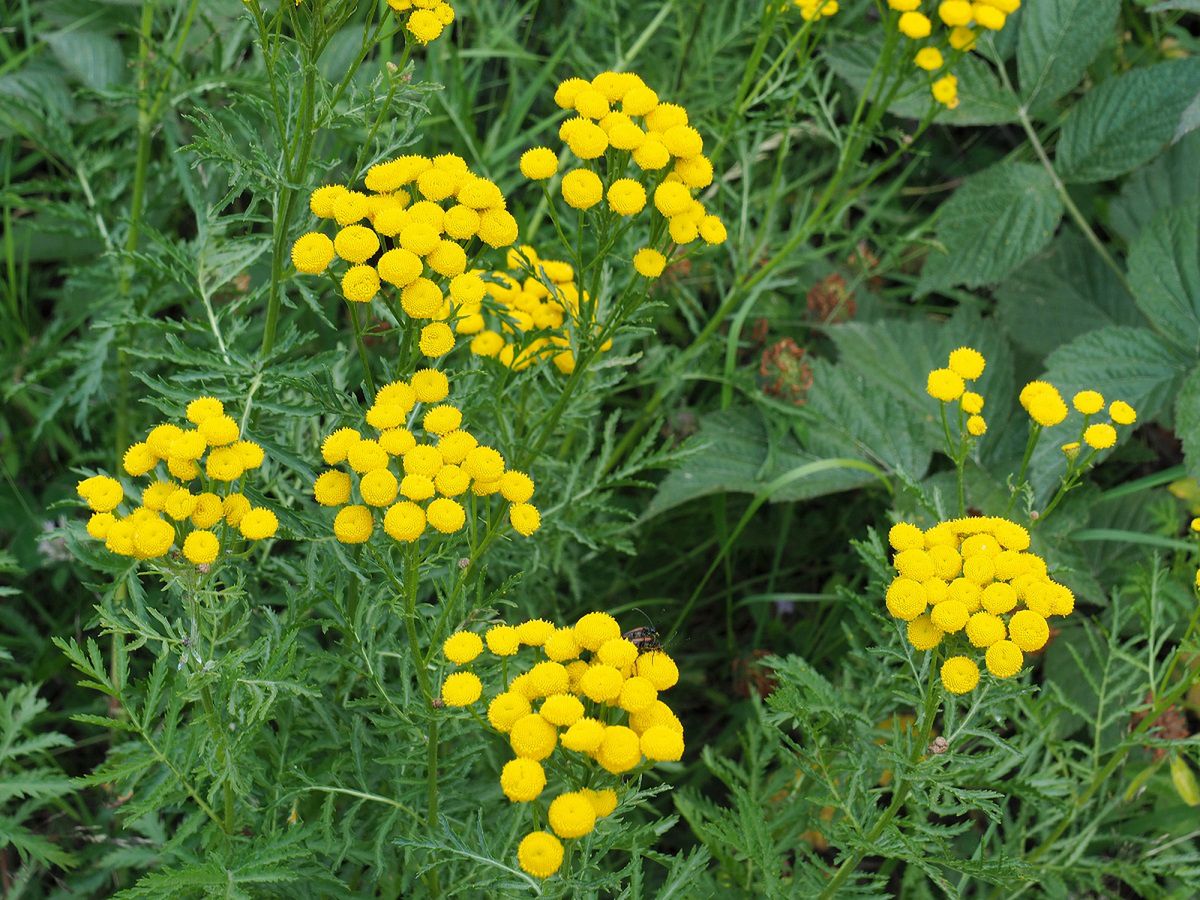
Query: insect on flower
[[644, 637]]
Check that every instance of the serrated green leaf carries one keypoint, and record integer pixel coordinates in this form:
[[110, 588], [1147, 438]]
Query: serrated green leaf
[[1126, 121], [1171, 180], [1063, 292], [1059, 38], [998, 219], [859, 420], [735, 453], [1164, 268], [95, 59], [1187, 420]]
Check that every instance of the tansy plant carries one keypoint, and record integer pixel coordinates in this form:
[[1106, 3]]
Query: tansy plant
[[526, 313], [423, 19], [190, 504], [423, 216], [445, 471], [1046, 409], [956, 23], [597, 698], [956, 583]]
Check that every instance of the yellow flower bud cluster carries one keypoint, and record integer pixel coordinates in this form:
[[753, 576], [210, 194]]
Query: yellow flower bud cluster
[[813, 10], [424, 19], [950, 384], [421, 215], [961, 21], [974, 583], [212, 451], [590, 690], [520, 320], [620, 120], [390, 476], [1047, 408]]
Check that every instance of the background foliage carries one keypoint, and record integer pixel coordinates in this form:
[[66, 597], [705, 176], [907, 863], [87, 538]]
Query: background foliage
[[727, 474]]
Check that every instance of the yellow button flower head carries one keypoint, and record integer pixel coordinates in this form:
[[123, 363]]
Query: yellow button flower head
[[1004, 659], [507, 709], [1044, 403], [960, 675], [1100, 436], [661, 743], [572, 815], [923, 634], [944, 385], [659, 669], [539, 163], [915, 25], [502, 640], [461, 689], [967, 362], [522, 780], [620, 750], [540, 854], [594, 629], [929, 58], [1088, 402], [462, 647], [945, 91], [534, 632], [532, 737], [584, 736], [1122, 413]]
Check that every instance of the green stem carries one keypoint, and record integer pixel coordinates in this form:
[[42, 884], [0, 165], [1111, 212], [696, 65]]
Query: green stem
[[1101, 778], [362, 350], [902, 789], [1059, 187], [1035, 432]]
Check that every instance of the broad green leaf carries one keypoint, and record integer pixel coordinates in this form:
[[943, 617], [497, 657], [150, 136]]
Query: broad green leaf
[[1130, 364], [1059, 38], [1164, 268], [734, 452], [96, 60], [1187, 421], [1063, 292], [1171, 180], [997, 220], [1126, 121], [981, 99], [857, 419]]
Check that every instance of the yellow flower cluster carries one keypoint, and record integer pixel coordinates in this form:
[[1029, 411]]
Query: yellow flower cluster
[[213, 451], [950, 384], [422, 215], [597, 696], [425, 18], [520, 321], [962, 20], [620, 120], [451, 464], [811, 10], [1047, 408], [973, 582]]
